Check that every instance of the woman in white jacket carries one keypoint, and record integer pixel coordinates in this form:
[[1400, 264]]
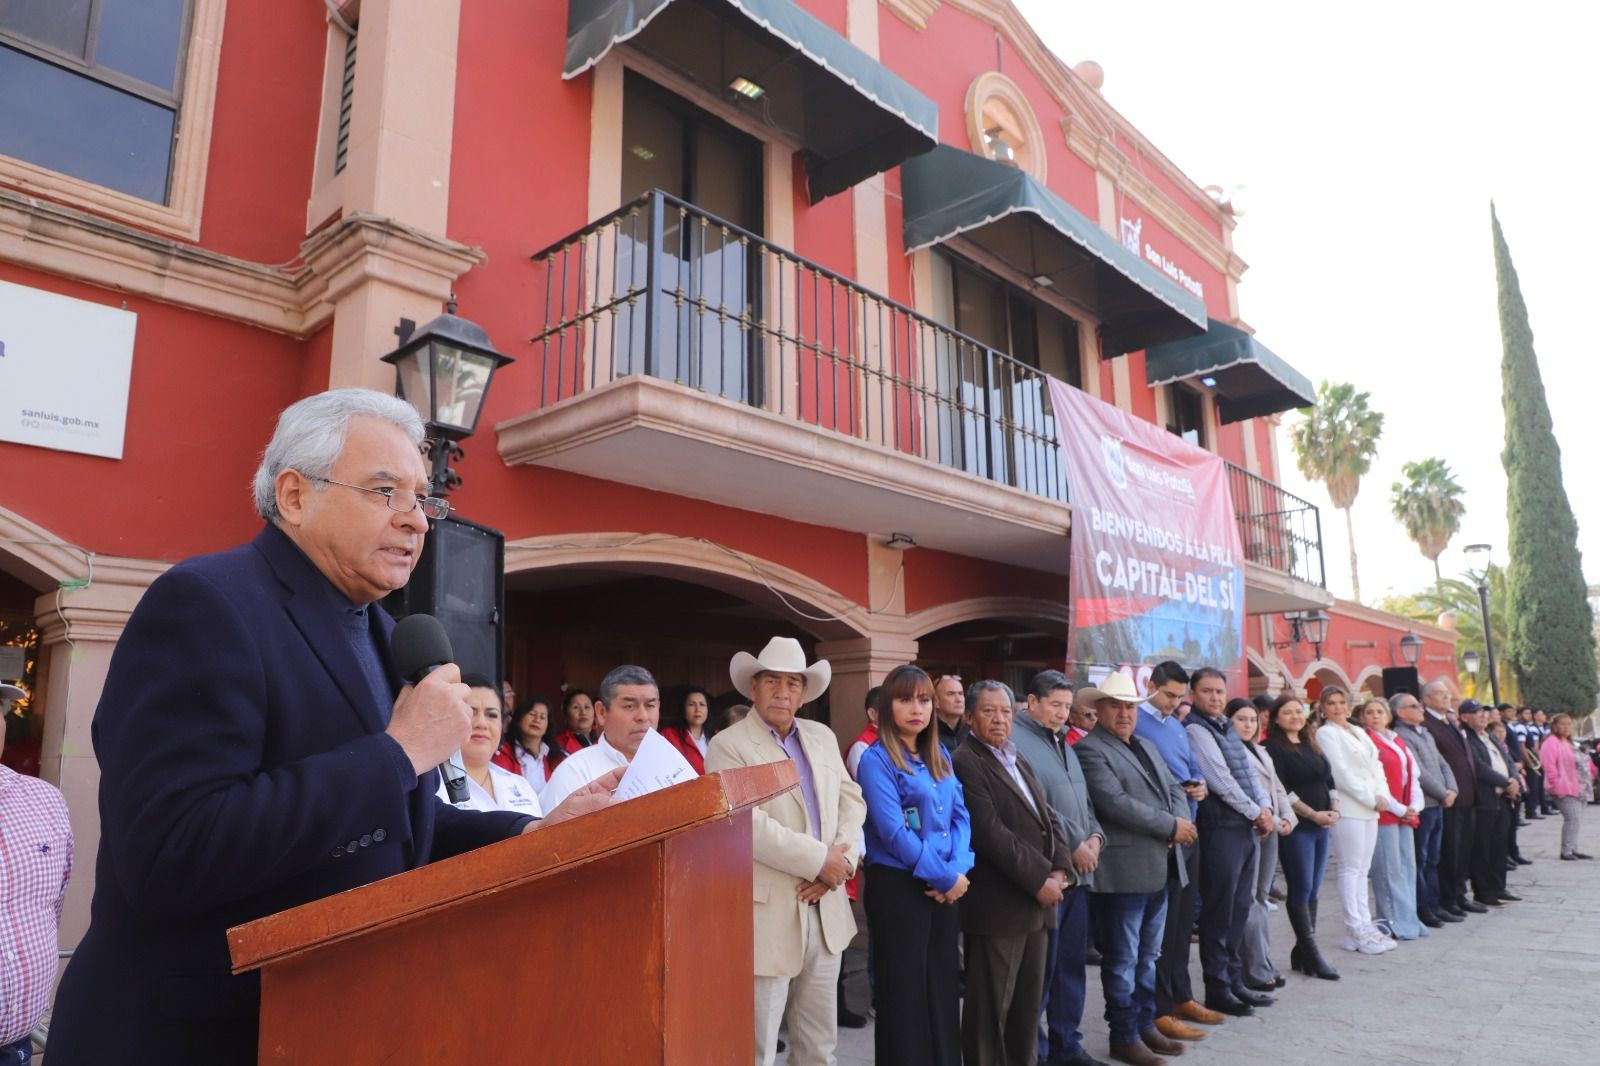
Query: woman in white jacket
[[1362, 789]]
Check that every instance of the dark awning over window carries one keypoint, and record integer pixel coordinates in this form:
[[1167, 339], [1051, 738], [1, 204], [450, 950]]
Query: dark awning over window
[[1250, 380], [852, 115], [1010, 215]]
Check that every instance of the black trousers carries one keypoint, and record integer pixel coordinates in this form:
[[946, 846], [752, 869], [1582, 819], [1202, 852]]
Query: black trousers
[[1455, 853], [1226, 894], [917, 984], [1489, 852], [1513, 815], [1172, 968]]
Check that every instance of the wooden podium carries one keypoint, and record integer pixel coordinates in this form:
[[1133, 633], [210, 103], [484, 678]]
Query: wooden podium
[[621, 938]]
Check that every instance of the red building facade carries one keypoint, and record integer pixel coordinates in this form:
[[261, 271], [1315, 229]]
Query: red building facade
[[739, 406]]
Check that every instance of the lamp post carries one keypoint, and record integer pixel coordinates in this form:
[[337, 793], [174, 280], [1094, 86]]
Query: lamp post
[[444, 370], [1471, 551]]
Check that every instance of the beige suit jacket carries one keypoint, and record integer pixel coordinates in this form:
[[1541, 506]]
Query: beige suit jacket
[[786, 854]]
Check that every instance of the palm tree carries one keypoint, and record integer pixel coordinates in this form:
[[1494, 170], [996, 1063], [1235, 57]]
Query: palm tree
[[1334, 443], [1428, 504]]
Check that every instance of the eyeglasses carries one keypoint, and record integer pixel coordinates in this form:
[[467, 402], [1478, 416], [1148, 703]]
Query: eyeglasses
[[433, 507]]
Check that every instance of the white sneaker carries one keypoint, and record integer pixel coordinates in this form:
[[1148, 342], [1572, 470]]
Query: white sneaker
[[1375, 937]]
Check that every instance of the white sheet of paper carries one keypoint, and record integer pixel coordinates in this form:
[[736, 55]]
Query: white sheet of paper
[[656, 765]]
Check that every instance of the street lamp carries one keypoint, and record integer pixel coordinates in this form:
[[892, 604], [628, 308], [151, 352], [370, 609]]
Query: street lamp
[[1410, 648], [1307, 627], [1472, 551], [1469, 662], [444, 370]]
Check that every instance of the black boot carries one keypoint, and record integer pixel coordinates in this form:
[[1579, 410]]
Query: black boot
[[1305, 958]]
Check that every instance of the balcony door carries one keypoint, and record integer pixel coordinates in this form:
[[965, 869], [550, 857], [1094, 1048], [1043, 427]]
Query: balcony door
[[995, 418], [707, 273]]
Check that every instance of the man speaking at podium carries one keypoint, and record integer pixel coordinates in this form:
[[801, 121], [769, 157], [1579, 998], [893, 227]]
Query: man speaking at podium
[[253, 752]]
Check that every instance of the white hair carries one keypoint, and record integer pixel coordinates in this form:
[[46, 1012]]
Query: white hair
[[311, 432]]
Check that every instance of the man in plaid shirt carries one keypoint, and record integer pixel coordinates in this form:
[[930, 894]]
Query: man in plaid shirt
[[35, 862]]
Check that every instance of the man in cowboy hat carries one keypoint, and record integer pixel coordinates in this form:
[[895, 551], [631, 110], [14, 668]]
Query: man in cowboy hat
[[807, 844], [1144, 815]]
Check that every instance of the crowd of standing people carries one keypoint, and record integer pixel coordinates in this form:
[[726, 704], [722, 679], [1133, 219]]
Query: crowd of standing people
[[1002, 841]]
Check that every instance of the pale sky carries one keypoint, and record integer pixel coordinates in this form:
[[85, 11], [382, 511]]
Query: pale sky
[[1370, 138]]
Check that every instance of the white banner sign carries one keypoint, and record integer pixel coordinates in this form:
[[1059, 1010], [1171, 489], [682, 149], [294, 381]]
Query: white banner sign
[[64, 369]]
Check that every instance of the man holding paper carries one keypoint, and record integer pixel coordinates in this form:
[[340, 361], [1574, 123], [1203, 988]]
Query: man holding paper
[[627, 710], [807, 844]]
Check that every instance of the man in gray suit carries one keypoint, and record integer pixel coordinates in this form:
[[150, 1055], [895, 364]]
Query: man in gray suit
[[1039, 740], [1143, 812]]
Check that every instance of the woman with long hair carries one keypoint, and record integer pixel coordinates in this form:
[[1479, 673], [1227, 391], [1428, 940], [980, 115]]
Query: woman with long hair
[[577, 722], [687, 725], [525, 733], [918, 852], [1564, 779], [1363, 791], [1306, 777], [1394, 860], [1255, 952]]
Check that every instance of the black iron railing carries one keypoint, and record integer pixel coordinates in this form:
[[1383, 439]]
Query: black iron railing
[[661, 288], [1278, 529]]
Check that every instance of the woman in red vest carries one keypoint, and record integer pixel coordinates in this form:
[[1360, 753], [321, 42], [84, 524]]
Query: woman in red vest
[[577, 723], [688, 727], [1394, 861]]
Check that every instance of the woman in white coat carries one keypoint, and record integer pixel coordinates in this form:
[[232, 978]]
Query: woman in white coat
[[1255, 952], [489, 787], [1362, 789]]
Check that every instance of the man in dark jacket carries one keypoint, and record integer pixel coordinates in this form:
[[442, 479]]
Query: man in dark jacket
[[1017, 884], [1048, 753], [1496, 783], [253, 752], [1460, 819]]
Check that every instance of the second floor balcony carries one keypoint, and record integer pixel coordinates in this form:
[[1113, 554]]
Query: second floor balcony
[[681, 353]]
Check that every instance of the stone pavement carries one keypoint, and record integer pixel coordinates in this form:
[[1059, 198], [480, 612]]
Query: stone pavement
[[1515, 986]]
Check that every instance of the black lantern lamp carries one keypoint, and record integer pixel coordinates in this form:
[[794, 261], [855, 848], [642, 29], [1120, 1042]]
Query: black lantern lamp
[[1410, 648], [1470, 661], [1307, 627], [444, 370]]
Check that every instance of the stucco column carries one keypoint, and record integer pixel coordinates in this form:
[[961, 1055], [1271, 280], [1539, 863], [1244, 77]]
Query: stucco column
[[858, 665], [396, 185], [76, 644]]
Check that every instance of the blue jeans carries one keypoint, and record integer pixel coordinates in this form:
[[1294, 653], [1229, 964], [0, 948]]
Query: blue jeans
[[1394, 880], [17, 1054], [1429, 837], [1303, 854], [1127, 929], [1064, 989]]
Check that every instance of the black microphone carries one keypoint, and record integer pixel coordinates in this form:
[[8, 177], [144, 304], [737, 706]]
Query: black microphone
[[418, 646]]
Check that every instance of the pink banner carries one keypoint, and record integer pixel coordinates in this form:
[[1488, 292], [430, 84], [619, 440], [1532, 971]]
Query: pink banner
[[1156, 570]]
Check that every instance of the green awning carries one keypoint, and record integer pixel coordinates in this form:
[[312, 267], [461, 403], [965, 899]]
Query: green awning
[[1005, 212], [851, 114], [1250, 380]]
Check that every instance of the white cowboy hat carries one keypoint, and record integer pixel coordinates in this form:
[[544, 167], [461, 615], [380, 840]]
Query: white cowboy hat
[[1116, 686], [10, 692], [782, 655]]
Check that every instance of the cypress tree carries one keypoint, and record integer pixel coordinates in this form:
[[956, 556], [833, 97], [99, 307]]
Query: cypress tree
[[1550, 634]]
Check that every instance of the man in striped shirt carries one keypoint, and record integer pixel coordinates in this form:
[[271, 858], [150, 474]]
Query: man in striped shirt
[[35, 862]]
